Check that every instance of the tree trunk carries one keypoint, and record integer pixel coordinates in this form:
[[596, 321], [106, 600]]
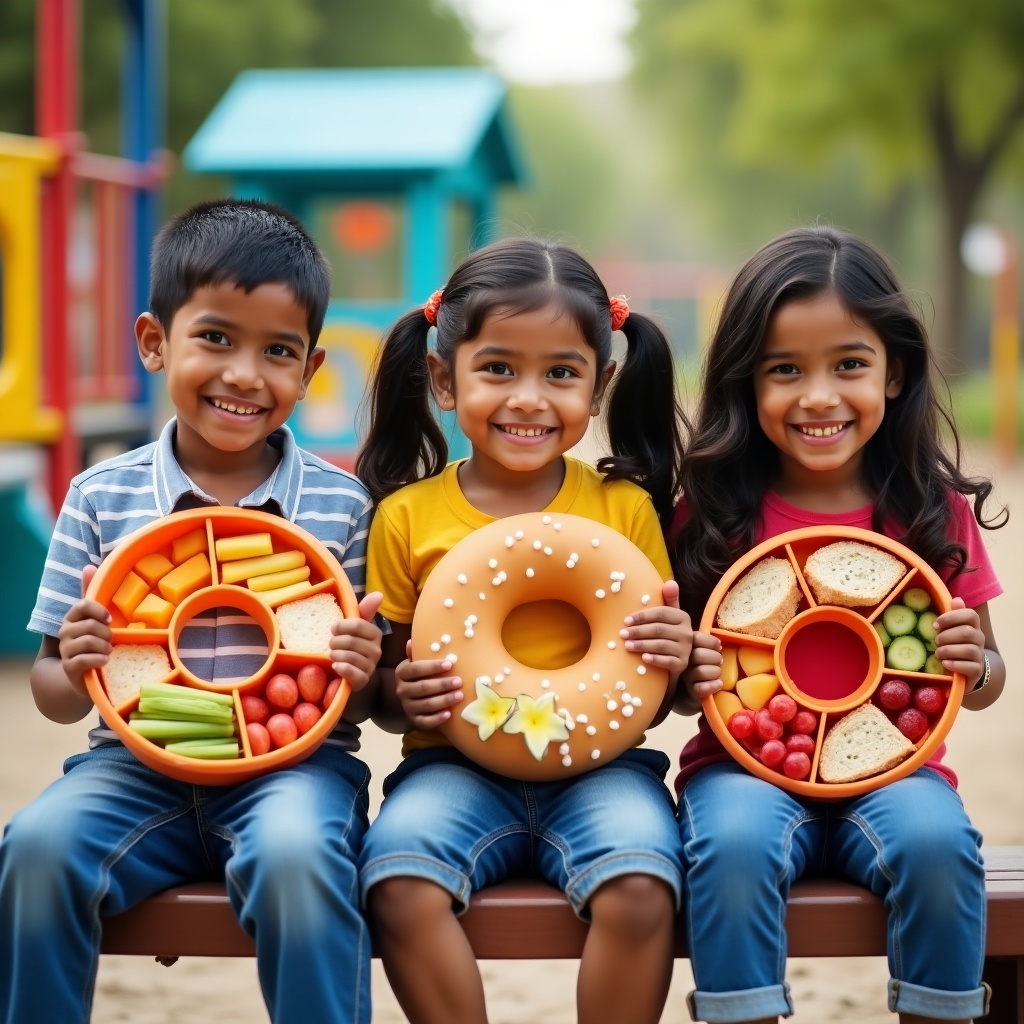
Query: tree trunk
[[962, 177]]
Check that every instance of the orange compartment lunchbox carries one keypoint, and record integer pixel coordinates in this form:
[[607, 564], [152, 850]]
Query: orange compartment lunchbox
[[830, 659], [140, 563]]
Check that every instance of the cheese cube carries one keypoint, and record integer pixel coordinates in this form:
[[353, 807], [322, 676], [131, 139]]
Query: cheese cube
[[127, 596], [152, 567], [246, 545], [186, 579], [154, 611], [191, 544]]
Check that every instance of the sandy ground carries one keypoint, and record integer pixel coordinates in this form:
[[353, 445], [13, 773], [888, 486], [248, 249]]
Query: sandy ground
[[984, 748]]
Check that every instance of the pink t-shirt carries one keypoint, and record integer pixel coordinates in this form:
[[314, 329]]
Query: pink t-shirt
[[778, 516]]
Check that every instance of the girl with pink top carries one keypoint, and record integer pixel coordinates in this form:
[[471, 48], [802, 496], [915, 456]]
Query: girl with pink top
[[819, 408]]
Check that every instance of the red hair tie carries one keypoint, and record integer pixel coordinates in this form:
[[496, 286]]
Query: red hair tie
[[431, 306], [620, 311]]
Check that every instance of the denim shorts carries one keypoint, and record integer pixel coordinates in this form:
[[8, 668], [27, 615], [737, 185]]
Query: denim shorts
[[453, 823]]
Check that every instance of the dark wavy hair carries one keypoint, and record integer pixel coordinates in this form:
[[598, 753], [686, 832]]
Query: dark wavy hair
[[912, 462], [644, 420]]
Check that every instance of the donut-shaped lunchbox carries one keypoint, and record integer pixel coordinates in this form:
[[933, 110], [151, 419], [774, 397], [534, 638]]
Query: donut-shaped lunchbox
[[278, 580], [830, 683], [541, 723]]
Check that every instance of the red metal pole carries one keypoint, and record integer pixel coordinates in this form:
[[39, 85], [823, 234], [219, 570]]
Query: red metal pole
[[57, 77]]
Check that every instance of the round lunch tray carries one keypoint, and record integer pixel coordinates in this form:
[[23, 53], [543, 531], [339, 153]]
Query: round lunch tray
[[830, 659], [195, 534]]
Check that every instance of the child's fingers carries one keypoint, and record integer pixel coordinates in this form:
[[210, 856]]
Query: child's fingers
[[448, 688], [370, 604], [412, 670], [705, 656]]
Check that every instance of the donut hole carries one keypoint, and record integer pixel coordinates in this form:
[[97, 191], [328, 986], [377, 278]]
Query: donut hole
[[546, 634]]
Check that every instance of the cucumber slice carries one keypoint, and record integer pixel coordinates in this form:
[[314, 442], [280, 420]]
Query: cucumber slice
[[934, 667], [882, 634], [926, 627], [917, 599], [899, 620], [906, 654]]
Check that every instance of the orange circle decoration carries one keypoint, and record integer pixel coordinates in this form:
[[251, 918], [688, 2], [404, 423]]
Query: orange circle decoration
[[163, 575], [541, 723], [831, 661]]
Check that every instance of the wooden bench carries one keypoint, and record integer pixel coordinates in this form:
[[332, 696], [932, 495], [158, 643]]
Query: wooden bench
[[531, 921]]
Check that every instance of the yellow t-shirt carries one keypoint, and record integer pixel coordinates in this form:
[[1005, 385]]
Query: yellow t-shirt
[[417, 525]]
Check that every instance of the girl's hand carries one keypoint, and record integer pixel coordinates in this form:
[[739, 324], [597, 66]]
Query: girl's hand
[[703, 675], [84, 637], [426, 690], [355, 643], [663, 636], [960, 643]]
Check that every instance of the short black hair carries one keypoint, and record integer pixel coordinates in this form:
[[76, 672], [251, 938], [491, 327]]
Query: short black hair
[[244, 242]]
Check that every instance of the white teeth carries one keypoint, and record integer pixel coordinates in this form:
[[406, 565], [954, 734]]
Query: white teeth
[[820, 431], [525, 431], [243, 410]]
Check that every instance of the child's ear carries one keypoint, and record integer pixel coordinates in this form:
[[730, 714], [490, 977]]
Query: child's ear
[[441, 383], [603, 378], [894, 376], [150, 338], [314, 361]]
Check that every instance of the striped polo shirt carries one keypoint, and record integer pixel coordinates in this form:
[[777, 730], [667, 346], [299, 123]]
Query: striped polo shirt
[[113, 499]]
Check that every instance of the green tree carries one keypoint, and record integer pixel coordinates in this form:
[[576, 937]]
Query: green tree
[[928, 93]]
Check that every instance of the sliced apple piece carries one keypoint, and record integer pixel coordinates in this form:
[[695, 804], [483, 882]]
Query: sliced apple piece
[[755, 691], [755, 660], [730, 670], [727, 703]]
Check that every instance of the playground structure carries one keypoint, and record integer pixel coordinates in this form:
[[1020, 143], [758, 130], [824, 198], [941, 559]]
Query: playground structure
[[395, 171], [75, 233]]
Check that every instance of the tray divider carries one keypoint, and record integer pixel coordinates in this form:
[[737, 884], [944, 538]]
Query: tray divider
[[808, 596], [822, 723], [243, 735], [893, 594], [211, 545]]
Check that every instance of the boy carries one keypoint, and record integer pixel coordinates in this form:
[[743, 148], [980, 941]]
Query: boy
[[239, 293]]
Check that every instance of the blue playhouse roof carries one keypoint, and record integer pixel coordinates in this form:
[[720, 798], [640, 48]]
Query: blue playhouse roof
[[366, 120]]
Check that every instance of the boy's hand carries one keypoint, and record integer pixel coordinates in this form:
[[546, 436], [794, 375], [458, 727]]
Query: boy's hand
[[84, 637], [662, 636], [355, 643], [960, 643], [426, 690], [703, 675]]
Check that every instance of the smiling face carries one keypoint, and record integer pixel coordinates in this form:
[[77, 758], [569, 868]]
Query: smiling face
[[523, 390], [235, 364], [821, 385]]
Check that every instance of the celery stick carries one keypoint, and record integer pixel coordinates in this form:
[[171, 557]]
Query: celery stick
[[208, 750], [185, 707], [163, 729], [185, 693]]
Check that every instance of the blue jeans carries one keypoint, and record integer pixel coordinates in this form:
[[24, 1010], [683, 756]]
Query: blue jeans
[[453, 823], [746, 841], [112, 832]]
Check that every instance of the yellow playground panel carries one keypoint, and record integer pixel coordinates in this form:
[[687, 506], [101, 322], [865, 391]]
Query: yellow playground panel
[[23, 415]]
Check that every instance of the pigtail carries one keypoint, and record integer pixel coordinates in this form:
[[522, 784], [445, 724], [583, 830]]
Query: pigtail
[[645, 421], [404, 442]]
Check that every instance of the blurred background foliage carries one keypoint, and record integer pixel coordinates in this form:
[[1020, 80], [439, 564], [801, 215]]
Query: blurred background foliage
[[903, 121]]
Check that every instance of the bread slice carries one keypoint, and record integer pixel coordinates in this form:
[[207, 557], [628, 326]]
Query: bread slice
[[130, 666], [862, 744], [306, 623], [852, 574], [763, 600]]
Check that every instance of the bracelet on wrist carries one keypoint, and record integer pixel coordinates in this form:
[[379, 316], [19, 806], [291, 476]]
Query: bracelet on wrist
[[985, 678]]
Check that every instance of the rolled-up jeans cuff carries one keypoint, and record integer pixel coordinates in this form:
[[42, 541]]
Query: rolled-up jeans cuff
[[746, 1004], [933, 1002]]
